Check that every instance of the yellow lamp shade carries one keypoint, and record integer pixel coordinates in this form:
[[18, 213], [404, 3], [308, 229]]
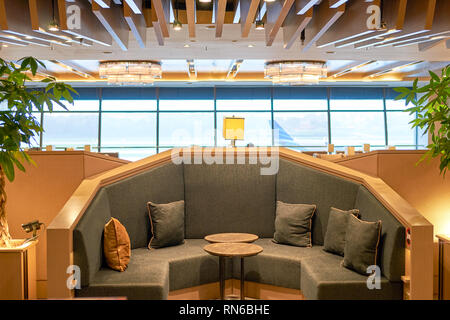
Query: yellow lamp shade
[[233, 128]]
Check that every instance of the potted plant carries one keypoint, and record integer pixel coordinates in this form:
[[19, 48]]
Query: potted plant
[[18, 125], [431, 104]]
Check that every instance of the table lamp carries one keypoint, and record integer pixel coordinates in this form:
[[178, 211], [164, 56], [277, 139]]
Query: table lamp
[[233, 129], [366, 147]]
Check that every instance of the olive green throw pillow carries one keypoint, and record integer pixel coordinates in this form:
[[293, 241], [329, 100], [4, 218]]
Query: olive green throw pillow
[[334, 241], [361, 244], [293, 224], [167, 224]]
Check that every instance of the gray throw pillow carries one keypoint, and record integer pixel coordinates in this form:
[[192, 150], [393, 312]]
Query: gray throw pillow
[[361, 244], [334, 241], [293, 224], [167, 223]]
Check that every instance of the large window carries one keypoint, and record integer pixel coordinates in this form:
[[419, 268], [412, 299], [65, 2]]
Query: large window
[[138, 122]]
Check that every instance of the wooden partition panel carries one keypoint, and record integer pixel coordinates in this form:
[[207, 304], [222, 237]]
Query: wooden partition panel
[[419, 183], [60, 230], [41, 192]]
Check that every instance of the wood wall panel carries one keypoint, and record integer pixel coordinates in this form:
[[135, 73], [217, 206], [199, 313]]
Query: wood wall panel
[[42, 191]]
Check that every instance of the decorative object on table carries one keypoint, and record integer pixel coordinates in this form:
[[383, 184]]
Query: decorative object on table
[[87, 148], [20, 127], [350, 151], [233, 129], [361, 244], [334, 241], [69, 149], [49, 148], [434, 113], [116, 245], [293, 223], [366, 147], [295, 72], [231, 238], [167, 224], [392, 148], [330, 148], [230, 250], [33, 227]]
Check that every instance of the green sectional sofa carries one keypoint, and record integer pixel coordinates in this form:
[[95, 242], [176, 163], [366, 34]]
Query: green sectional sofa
[[232, 198]]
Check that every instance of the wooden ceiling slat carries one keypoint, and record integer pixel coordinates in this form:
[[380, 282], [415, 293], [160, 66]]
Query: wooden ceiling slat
[[156, 27], [324, 18], [355, 22], [113, 21], [294, 25], [89, 28], [248, 9], [134, 5], [103, 3], [162, 9], [190, 12], [137, 24], [393, 15], [303, 6], [220, 8], [276, 14]]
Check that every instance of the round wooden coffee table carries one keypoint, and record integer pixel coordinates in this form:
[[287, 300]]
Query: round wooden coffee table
[[231, 238], [230, 250]]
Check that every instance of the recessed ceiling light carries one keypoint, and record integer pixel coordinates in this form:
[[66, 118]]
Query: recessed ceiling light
[[250, 46], [5, 45], [186, 46], [29, 37], [53, 26], [259, 25], [205, 1], [177, 25]]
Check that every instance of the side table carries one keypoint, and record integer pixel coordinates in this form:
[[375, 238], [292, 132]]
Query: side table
[[229, 250]]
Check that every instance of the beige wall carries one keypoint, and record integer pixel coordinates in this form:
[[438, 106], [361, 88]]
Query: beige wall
[[420, 184], [42, 191]]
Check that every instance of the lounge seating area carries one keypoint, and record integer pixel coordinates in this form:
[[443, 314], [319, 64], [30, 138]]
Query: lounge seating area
[[233, 198]]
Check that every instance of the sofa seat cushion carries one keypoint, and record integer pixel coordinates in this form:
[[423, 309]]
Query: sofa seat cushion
[[189, 264], [323, 277], [277, 265], [144, 279]]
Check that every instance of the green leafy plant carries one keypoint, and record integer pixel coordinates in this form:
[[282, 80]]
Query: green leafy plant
[[18, 126], [431, 104]]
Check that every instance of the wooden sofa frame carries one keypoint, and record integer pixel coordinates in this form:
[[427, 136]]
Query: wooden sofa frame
[[418, 278]]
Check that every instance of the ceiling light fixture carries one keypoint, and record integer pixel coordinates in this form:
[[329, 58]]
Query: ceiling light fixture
[[205, 1], [295, 72], [177, 26], [270, 0], [130, 72], [250, 46]]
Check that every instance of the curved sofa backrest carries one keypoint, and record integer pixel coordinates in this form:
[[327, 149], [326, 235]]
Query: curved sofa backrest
[[128, 199], [300, 184], [125, 200], [391, 250], [228, 198], [88, 237]]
